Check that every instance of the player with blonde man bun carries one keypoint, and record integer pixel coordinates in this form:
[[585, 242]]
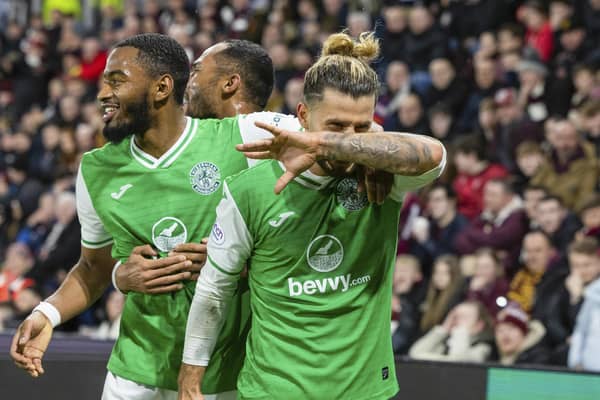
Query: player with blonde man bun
[[320, 257]]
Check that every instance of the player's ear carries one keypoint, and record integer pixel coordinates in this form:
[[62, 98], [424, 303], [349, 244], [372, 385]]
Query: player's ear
[[302, 113], [232, 84], [164, 88]]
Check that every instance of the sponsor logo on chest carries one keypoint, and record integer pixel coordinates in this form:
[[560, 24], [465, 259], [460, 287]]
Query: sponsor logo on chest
[[167, 233]]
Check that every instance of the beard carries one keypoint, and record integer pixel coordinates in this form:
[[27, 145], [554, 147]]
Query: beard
[[199, 106], [335, 168], [138, 125]]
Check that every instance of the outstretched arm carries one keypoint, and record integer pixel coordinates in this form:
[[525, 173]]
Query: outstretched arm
[[398, 153]]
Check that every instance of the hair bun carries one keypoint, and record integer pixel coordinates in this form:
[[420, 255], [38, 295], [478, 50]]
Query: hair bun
[[366, 48]]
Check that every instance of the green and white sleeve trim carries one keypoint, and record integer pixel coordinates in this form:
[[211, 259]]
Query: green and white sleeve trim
[[229, 247], [93, 233]]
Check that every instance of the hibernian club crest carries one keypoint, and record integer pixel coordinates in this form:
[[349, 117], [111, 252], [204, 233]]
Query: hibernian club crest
[[348, 196], [205, 177]]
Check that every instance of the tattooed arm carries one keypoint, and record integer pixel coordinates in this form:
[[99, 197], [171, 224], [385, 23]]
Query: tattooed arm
[[403, 154], [398, 153]]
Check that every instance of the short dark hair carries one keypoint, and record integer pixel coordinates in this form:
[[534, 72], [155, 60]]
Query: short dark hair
[[587, 245], [506, 183], [253, 64], [552, 197], [470, 144], [540, 232], [447, 188], [161, 55]]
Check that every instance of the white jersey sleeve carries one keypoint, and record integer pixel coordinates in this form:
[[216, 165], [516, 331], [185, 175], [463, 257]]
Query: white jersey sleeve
[[404, 183], [251, 133], [93, 234], [229, 247]]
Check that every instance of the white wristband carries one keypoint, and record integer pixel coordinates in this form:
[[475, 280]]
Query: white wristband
[[114, 276], [49, 311]]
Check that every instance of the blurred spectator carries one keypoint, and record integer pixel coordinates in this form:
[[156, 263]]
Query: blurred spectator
[[39, 223], [589, 117], [93, 60], [519, 340], [109, 327], [485, 85], [511, 37], [61, 248], [488, 284], [501, 225], [532, 195], [515, 128], [434, 236], [537, 257], [441, 122], [533, 96], [445, 87], [358, 22], [410, 116], [424, 42], [589, 214], [464, 336], [584, 82], [529, 158], [584, 353], [557, 222], [473, 172], [488, 127], [397, 86], [539, 34], [444, 292], [409, 293], [16, 263], [394, 35], [584, 264], [572, 170], [294, 94]]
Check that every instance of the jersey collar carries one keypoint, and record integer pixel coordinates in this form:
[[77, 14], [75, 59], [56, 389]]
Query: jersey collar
[[170, 155]]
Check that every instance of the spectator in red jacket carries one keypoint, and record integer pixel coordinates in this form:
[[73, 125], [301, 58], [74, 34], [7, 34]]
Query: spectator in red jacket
[[501, 225], [539, 31], [474, 171]]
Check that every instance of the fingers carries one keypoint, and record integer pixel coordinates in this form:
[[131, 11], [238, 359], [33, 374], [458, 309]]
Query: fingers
[[268, 127], [258, 155], [145, 251], [37, 363], [259, 145], [25, 332], [16, 351], [165, 262], [166, 289], [189, 248], [169, 280], [179, 268], [283, 181]]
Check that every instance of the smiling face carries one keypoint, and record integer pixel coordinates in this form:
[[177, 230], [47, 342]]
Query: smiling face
[[337, 112], [124, 95]]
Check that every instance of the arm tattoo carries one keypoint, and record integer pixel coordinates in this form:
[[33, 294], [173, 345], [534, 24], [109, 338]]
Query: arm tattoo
[[396, 153]]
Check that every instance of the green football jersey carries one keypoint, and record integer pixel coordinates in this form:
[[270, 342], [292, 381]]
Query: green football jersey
[[129, 198], [320, 259]]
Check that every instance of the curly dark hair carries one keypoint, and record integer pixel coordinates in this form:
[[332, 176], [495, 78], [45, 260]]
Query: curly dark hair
[[160, 55]]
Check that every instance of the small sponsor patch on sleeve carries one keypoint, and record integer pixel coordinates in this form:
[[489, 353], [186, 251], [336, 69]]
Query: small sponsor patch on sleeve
[[385, 373], [217, 234]]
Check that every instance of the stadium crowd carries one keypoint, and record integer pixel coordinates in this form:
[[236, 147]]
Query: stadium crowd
[[497, 261]]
